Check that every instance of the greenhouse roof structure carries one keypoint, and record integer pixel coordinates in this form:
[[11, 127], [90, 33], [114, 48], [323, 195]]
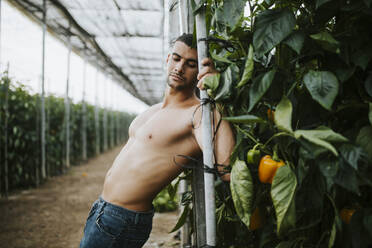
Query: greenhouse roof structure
[[123, 38]]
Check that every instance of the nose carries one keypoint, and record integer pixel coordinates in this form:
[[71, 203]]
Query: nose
[[180, 67]]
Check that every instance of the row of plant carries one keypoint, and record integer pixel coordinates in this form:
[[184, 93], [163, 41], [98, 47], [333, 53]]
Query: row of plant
[[20, 139], [296, 84]]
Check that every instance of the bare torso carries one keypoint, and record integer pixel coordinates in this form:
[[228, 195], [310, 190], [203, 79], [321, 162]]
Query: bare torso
[[146, 165]]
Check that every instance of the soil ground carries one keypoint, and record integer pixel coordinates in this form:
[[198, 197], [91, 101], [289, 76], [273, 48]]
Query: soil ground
[[53, 215]]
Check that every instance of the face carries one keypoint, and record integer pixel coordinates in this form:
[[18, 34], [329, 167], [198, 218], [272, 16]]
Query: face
[[182, 67]]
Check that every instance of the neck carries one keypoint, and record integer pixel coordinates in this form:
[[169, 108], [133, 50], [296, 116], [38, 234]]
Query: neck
[[179, 98]]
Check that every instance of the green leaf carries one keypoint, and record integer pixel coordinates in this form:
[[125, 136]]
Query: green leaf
[[224, 90], [295, 41], [346, 177], [351, 154], [282, 193], [212, 82], [364, 139], [320, 2], [271, 27], [220, 58], [259, 87], [181, 221], [362, 57], [368, 85], [323, 87], [231, 12], [245, 119], [242, 190], [248, 69], [370, 113], [321, 136], [326, 41], [328, 167], [283, 115]]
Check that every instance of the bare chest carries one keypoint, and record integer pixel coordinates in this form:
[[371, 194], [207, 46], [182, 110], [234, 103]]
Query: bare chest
[[164, 128]]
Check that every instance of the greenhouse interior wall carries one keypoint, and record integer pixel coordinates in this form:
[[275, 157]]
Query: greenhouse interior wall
[[100, 110]]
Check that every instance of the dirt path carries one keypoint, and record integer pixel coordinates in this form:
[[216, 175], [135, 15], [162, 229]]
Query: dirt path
[[53, 215]]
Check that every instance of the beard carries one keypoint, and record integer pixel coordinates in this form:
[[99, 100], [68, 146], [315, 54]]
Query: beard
[[181, 84]]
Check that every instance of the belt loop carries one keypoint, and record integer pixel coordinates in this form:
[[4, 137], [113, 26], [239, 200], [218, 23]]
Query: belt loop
[[100, 208], [136, 219]]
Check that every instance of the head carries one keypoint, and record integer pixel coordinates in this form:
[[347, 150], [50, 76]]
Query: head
[[182, 64]]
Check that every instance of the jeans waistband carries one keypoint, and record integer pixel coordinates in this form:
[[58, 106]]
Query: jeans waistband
[[123, 210]]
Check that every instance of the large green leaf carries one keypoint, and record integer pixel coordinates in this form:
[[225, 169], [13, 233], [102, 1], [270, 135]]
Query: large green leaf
[[283, 115], [322, 136], [364, 139], [242, 190], [212, 82], [282, 193], [245, 119], [271, 27], [326, 41], [351, 154], [228, 77], [231, 12], [295, 41], [220, 58], [248, 69], [323, 87], [259, 87]]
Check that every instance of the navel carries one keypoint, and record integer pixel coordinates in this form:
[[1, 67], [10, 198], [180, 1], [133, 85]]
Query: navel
[[150, 136]]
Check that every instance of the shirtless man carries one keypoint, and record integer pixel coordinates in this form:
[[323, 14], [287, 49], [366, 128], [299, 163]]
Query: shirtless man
[[122, 216]]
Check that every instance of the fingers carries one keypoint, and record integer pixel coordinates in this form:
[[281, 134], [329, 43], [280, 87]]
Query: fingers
[[208, 67], [200, 85]]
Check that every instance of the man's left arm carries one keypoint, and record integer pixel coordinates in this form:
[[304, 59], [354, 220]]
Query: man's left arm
[[224, 138]]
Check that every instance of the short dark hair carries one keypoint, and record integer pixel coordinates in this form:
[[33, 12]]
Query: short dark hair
[[185, 38]]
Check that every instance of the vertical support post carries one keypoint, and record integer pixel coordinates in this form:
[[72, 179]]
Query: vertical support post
[[1, 77], [43, 160], [96, 118], [1, 67], [67, 106], [117, 132], [84, 114], [105, 119], [112, 116], [6, 113], [210, 205], [185, 26]]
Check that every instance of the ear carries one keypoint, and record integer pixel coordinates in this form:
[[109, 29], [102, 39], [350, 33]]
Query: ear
[[167, 58]]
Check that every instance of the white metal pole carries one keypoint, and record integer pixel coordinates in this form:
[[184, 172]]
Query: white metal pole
[[84, 115], [185, 234], [1, 67], [112, 116], [96, 119], [210, 206], [67, 105], [43, 160], [105, 109]]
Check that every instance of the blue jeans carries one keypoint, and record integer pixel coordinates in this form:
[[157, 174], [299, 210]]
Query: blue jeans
[[111, 226]]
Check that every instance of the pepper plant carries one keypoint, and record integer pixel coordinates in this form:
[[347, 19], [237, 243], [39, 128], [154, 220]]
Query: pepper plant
[[20, 139], [296, 84]]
